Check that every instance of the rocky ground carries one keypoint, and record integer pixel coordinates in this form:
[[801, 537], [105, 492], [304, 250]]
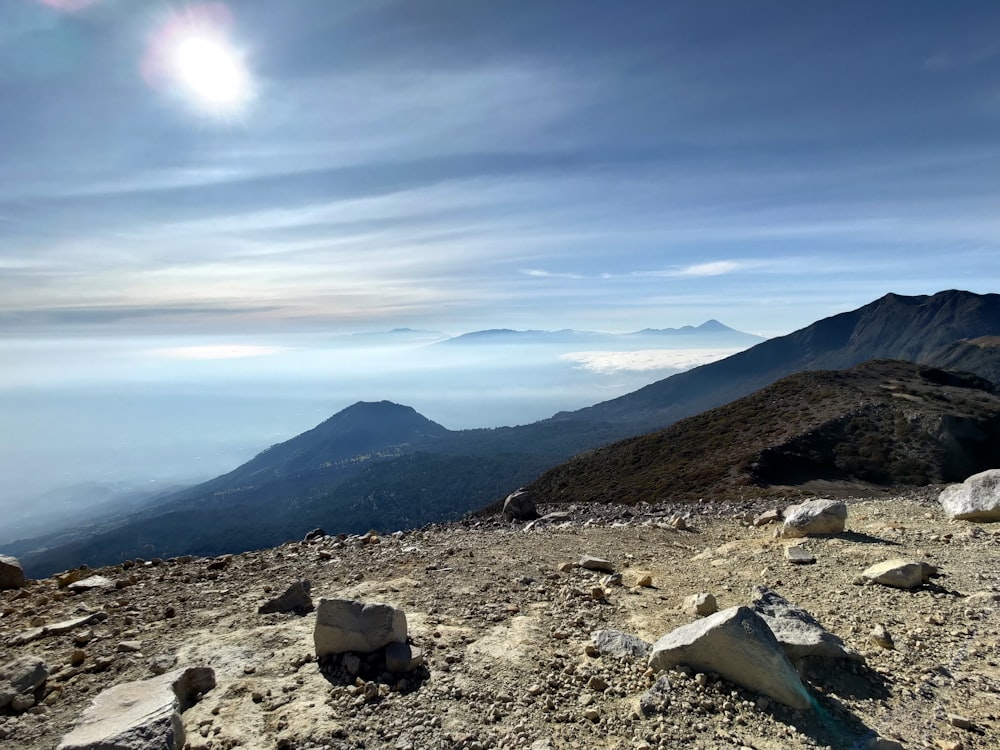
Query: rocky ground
[[505, 622]]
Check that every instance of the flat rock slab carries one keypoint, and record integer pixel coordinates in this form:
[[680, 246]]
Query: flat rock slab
[[89, 583], [344, 625], [975, 499], [897, 573], [621, 645], [11, 573], [142, 715], [798, 632], [588, 562], [815, 517], [58, 628], [737, 644]]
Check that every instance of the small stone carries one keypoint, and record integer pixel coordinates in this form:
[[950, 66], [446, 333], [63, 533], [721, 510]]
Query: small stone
[[959, 722], [591, 714], [645, 582], [950, 744], [882, 743], [402, 657], [77, 658], [679, 523], [881, 637], [799, 555], [597, 593], [597, 684], [700, 605], [295, 599], [352, 663], [767, 517], [566, 567], [129, 647]]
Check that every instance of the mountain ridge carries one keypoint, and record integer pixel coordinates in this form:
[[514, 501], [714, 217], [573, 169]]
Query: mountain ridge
[[308, 483]]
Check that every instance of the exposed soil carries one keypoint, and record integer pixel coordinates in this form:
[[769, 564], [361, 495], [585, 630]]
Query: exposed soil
[[504, 632]]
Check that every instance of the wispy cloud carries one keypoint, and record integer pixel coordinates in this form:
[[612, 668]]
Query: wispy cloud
[[947, 61], [712, 268], [540, 273]]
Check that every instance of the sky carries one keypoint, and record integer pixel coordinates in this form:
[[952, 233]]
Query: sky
[[460, 165], [192, 190]]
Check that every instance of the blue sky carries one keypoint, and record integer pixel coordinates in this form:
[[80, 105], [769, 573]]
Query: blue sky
[[454, 165]]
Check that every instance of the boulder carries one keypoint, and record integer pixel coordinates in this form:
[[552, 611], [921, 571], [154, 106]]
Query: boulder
[[519, 507], [11, 573], [344, 625], [898, 573], [975, 499], [798, 632], [295, 599], [738, 645], [142, 715], [21, 677], [622, 645], [700, 605], [815, 517]]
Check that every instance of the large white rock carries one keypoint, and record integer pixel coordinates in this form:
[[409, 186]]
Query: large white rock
[[347, 625], [815, 517], [11, 573], [738, 645], [975, 499], [798, 632], [142, 715]]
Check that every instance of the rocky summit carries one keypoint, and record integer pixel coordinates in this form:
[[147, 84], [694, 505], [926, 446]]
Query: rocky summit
[[497, 633]]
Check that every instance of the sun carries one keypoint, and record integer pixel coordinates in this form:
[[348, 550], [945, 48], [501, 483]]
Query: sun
[[211, 72], [192, 56]]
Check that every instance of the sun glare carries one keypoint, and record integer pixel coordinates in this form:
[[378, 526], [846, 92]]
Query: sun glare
[[211, 72], [192, 56]]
